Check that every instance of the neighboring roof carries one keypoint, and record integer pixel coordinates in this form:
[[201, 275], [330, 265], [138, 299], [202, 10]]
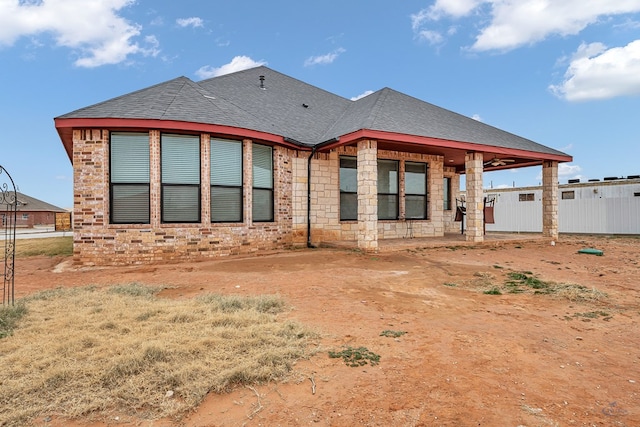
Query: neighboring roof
[[31, 204], [284, 109]]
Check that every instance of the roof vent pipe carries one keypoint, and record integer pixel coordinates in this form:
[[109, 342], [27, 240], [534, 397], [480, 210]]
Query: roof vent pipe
[[262, 83]]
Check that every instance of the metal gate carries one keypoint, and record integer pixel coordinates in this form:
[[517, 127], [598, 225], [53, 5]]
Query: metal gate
[[8, 212]]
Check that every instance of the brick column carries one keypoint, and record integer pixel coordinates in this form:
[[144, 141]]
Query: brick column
[[368, 196], [155, 187], [550, 199], [475, 203], [247, 179], [205, 178]]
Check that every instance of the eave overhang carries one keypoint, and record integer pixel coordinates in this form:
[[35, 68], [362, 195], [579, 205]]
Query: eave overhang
[[65, 129]]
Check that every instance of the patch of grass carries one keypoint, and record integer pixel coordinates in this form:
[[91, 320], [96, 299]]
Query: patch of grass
[[451, 285], [135, 290], [98, 351], [498, 266], [592, 314], [355, 357], [48, 246], [392, 334], [493, 291], [9, 317]]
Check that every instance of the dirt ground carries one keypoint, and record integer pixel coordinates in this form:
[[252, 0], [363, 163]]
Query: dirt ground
[[467, 358]]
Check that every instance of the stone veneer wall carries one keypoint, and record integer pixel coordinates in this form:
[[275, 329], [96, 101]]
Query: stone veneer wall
[[450, 226], [550, 199], [96, 242], [325, 199]]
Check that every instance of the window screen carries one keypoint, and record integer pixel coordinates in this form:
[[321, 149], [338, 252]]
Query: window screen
[[387, 189], [415, 189], [226, 181], [348, 189], [262, 183], [180, 163], [129, 176]]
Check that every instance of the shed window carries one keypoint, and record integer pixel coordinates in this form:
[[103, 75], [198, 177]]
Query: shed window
[[129, 178], [180, 157], [348, 189], [526, 197], [226, 181], [568, 195], [415, 184], [387, 189], [262, 183]]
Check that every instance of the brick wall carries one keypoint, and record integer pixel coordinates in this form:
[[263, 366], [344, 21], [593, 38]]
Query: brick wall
[[96, 242]]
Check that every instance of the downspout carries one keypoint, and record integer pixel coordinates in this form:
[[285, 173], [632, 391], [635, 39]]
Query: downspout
[[313, 152]]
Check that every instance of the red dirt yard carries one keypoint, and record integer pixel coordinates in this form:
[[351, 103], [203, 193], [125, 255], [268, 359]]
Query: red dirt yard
[[467, 358]]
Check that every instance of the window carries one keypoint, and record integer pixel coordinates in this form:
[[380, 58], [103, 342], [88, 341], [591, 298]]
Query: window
[[415, 189], [526, 197], [348, 189], [25, 216], [226, 181], [446, 185], [387, 189], [129, 178], [567, 195], [262, 183], [180, 162]]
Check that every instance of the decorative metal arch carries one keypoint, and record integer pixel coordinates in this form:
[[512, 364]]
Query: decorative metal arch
[[8, 214]]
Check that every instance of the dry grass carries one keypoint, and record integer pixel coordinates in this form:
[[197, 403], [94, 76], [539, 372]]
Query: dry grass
[[49, 246], [89, 352]]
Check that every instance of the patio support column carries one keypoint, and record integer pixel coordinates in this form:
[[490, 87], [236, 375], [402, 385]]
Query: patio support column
[[550, 199], [368, 195], [475, 202]]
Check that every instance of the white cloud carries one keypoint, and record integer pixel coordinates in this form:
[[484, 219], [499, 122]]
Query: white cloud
[[512, 24], [324, 59], [238, 63], [190, 22], [568, 170], [477, 117], [596, 72], [362, 95], [432, 37], [96, 32]]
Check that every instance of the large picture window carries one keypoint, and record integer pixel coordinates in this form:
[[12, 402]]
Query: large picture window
[[180, 165], [415, 190], [387, 189], [226, 181], [348, 189], [129, 178], [262, 182]]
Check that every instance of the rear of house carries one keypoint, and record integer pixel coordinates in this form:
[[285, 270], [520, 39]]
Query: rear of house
[[256, 161]]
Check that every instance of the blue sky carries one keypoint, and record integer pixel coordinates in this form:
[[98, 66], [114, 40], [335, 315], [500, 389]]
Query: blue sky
[[564, 73]]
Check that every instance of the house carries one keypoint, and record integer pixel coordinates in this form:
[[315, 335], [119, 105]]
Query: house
[[32, 212], [610, 206], [257, 160]]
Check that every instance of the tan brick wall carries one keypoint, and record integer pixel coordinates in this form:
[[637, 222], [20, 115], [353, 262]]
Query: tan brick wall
[[98, 243]]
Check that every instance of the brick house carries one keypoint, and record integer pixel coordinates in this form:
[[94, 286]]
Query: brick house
[[256, 160], [32, 212]]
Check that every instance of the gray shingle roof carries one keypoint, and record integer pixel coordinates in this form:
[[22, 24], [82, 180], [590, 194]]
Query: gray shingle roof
[[298, 111]]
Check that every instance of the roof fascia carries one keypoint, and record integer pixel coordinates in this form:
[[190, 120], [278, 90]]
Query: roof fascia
[[436, 142], [66, 126]]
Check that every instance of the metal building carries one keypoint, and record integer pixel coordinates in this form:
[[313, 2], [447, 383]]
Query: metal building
[[611, 206]]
